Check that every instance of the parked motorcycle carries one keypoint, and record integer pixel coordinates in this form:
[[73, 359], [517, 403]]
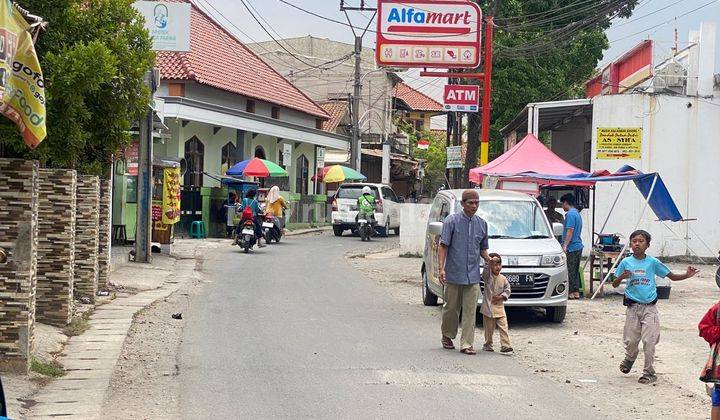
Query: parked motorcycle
[[271, 229], [245, 235]]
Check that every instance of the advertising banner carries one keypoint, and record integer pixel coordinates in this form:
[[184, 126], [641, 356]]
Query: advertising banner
[[21, 80], [618, 143], [454, 157], [428, 33], [171, 196]]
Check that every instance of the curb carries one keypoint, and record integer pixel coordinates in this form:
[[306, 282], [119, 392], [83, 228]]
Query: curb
[[306, 231]]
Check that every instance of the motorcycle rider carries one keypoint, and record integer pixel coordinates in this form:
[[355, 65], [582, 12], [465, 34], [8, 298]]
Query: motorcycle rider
[[275, 205], [250, 202], [366, 206]]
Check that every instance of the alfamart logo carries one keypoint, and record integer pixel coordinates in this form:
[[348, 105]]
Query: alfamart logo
[[425, 21], [161, 16]]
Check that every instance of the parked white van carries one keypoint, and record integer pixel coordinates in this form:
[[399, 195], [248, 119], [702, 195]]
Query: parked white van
[[344, 208], [533, 260]]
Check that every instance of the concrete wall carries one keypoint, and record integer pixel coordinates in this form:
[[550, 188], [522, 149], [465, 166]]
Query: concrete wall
[[104, 222], [18, 237], [413, 223], [679, 142], [86, 237], [56, 246]]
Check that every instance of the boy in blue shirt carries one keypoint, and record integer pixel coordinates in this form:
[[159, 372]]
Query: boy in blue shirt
[[642, 322]]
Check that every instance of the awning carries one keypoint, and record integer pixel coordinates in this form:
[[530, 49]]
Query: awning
[[207, 113], [393, 156], [537, 117]]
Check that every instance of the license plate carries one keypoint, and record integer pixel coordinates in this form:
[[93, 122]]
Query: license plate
[[268, 225], [352, 207], [520, 280], [362, 221], [248, 232]]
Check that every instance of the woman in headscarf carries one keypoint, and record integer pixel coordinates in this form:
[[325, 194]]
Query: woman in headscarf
[[275, 205]]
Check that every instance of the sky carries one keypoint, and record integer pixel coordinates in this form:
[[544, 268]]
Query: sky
[[656, 19]]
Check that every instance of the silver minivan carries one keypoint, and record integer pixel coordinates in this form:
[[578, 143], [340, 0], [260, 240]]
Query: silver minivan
[[533, 260]]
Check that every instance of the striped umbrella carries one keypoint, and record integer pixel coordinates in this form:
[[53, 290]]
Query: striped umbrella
[[338, 173], [256, 167]]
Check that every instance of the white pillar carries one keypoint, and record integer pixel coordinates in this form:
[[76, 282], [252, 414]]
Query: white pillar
[[386, 162], [706, 60]]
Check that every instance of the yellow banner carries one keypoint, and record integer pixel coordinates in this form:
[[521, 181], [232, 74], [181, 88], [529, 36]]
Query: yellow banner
[[21, 81], [619, 143], [171, 196]]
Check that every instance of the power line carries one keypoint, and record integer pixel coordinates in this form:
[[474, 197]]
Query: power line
[[646, 15], [666, 22]]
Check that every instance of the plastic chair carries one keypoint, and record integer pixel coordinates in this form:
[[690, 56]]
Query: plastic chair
[[197, 229]]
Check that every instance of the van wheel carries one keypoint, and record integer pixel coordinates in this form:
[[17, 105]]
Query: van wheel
[[429, 298], [556, 314], [338, 230], [385, 231]]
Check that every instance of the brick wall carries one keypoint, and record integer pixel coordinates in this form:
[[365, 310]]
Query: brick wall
[[18, 237], [104, 235], [86, 237], [56, 246]]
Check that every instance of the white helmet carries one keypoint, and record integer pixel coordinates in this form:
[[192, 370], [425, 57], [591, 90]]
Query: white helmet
[[366, 190]]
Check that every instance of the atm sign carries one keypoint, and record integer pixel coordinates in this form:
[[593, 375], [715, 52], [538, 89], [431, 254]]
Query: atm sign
[[461, 98]]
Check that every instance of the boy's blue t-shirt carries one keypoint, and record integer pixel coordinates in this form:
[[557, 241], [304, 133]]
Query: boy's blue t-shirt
[[573, 221], [641, 285]]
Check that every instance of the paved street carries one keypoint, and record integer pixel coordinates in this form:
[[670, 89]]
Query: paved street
[[293, 331]]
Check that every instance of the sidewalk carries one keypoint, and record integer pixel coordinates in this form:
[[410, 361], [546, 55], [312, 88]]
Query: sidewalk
[[90, 359]]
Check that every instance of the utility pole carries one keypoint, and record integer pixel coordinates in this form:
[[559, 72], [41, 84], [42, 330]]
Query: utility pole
[[356, 145], [143, 231]]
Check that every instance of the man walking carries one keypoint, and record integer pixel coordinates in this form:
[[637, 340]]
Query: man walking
[[572, 244], [464, 240]]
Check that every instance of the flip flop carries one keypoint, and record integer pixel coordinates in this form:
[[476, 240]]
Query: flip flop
[[647, 379], [469, 351], [625, 366], [447, 343]]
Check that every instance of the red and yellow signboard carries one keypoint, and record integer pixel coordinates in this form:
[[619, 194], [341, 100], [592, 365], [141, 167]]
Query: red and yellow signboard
[[171, 196]]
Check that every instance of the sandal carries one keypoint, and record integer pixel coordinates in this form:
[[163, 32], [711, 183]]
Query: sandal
[[447, 343], [647, 379], [625, 366], [469, 351]]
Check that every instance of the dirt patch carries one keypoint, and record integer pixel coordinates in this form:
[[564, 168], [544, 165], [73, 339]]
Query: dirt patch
[[584, 352]]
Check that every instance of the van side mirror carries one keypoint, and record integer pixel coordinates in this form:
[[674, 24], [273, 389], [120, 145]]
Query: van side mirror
[[435, 228], [558, 229]]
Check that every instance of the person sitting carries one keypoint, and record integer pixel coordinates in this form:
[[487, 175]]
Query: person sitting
[[366, 205], [250, 202], [553, 215], [275, 205]]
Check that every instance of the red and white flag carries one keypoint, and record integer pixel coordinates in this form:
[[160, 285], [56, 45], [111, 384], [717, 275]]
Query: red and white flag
[[423, 144]]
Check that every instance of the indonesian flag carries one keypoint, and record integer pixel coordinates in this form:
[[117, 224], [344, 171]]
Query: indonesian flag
[[423, 144]]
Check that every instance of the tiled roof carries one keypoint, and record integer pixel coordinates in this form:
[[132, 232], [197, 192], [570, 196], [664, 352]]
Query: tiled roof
[[218, 59], [415, 100], [337, 111]]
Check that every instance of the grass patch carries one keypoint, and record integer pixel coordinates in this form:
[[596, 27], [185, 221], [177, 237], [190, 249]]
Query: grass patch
[[46, 368], [77, 326]]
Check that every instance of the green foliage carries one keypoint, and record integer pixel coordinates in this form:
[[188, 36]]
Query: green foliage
[[94, 56], [434, 156], [46, 368], [546, 55]]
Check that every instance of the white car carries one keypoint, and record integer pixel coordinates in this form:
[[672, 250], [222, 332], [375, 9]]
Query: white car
[[518, 230], [344, 208]]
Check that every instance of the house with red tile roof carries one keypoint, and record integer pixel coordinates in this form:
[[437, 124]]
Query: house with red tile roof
[[415, 107], [223, 104]]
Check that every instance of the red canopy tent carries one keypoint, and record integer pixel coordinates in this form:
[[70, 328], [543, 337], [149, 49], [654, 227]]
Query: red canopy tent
[[525, 158]]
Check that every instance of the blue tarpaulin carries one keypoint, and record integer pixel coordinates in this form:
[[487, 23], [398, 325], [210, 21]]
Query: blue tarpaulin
[[661, 202]]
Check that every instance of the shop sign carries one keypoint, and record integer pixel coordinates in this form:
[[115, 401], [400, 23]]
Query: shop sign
[[461, 98], [454, 157], [320, 161], [615, 143], [287, 154], [428, 33], [167, 23]]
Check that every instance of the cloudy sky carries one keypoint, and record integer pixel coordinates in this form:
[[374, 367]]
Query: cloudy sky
[[655, 19]]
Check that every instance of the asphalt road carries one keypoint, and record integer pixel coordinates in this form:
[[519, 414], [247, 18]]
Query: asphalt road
[[292, 331]]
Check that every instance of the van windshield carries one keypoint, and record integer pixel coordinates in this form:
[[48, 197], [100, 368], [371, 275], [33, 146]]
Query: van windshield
[[514, 219], [354, 191]]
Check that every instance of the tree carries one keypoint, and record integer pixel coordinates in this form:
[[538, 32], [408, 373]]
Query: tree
[[94, 55], [543, 50], [434, 156]]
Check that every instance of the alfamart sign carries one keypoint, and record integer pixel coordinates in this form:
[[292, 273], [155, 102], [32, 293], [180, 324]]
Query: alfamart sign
[[167, 23], [428, 33]]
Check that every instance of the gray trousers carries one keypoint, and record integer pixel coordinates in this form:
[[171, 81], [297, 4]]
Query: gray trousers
[[459, 297], [573, 265], [642, 323]]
